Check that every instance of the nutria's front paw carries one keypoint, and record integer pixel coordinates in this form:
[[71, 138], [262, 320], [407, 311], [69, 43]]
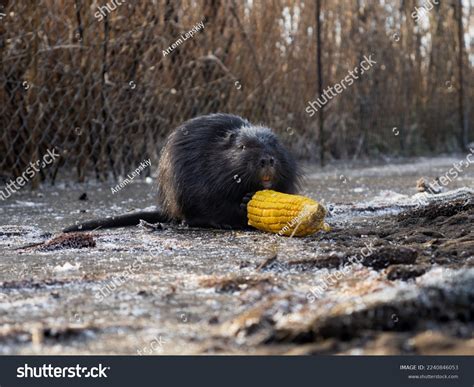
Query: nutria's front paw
[[245, 201], [221, 226]]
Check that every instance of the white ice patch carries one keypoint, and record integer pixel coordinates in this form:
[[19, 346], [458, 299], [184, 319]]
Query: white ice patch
[[66, 267], [392, 203], [440, 275], [387, 198], [24, 203], [150, 208]]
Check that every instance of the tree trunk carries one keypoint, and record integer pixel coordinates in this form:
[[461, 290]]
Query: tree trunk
[[463, 139], [322, 144]]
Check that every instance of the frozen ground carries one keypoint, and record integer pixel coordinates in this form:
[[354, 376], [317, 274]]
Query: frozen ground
[[393, 276]]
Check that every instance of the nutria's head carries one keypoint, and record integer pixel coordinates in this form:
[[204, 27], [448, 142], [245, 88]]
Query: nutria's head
[[261, 162]]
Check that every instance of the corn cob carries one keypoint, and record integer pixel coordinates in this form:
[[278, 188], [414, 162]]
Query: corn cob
[[284, 214]]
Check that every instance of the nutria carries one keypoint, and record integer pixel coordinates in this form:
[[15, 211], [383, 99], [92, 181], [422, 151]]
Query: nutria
[[208, 169]]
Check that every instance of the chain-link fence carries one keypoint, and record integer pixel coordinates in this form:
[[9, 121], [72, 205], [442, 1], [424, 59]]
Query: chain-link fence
[[105, 82]]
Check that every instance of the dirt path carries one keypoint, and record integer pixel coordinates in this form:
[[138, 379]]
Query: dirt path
[[392, 277]]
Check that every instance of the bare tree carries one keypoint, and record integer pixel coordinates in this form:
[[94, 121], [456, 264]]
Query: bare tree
[[322, 144], [463, 119]]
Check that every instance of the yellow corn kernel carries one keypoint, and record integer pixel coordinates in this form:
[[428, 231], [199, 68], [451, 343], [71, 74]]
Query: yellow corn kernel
[[284, 214]]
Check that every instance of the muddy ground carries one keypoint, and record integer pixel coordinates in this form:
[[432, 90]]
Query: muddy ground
[[393, 276]]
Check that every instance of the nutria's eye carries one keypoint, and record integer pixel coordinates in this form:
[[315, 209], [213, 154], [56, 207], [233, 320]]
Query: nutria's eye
[[242, 147]]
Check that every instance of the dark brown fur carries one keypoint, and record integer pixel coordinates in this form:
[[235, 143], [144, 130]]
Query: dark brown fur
[[209, 167]]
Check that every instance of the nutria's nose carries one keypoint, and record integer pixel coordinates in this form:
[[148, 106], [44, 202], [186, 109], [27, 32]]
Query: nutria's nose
[[268, 160]]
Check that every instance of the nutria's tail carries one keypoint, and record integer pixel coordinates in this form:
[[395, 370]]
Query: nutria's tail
[[120, 221]]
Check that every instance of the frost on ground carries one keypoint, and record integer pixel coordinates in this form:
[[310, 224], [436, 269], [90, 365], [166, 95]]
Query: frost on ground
[[394, 276]]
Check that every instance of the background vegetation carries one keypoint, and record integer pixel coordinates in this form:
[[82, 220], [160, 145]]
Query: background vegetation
[[103, 93]]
